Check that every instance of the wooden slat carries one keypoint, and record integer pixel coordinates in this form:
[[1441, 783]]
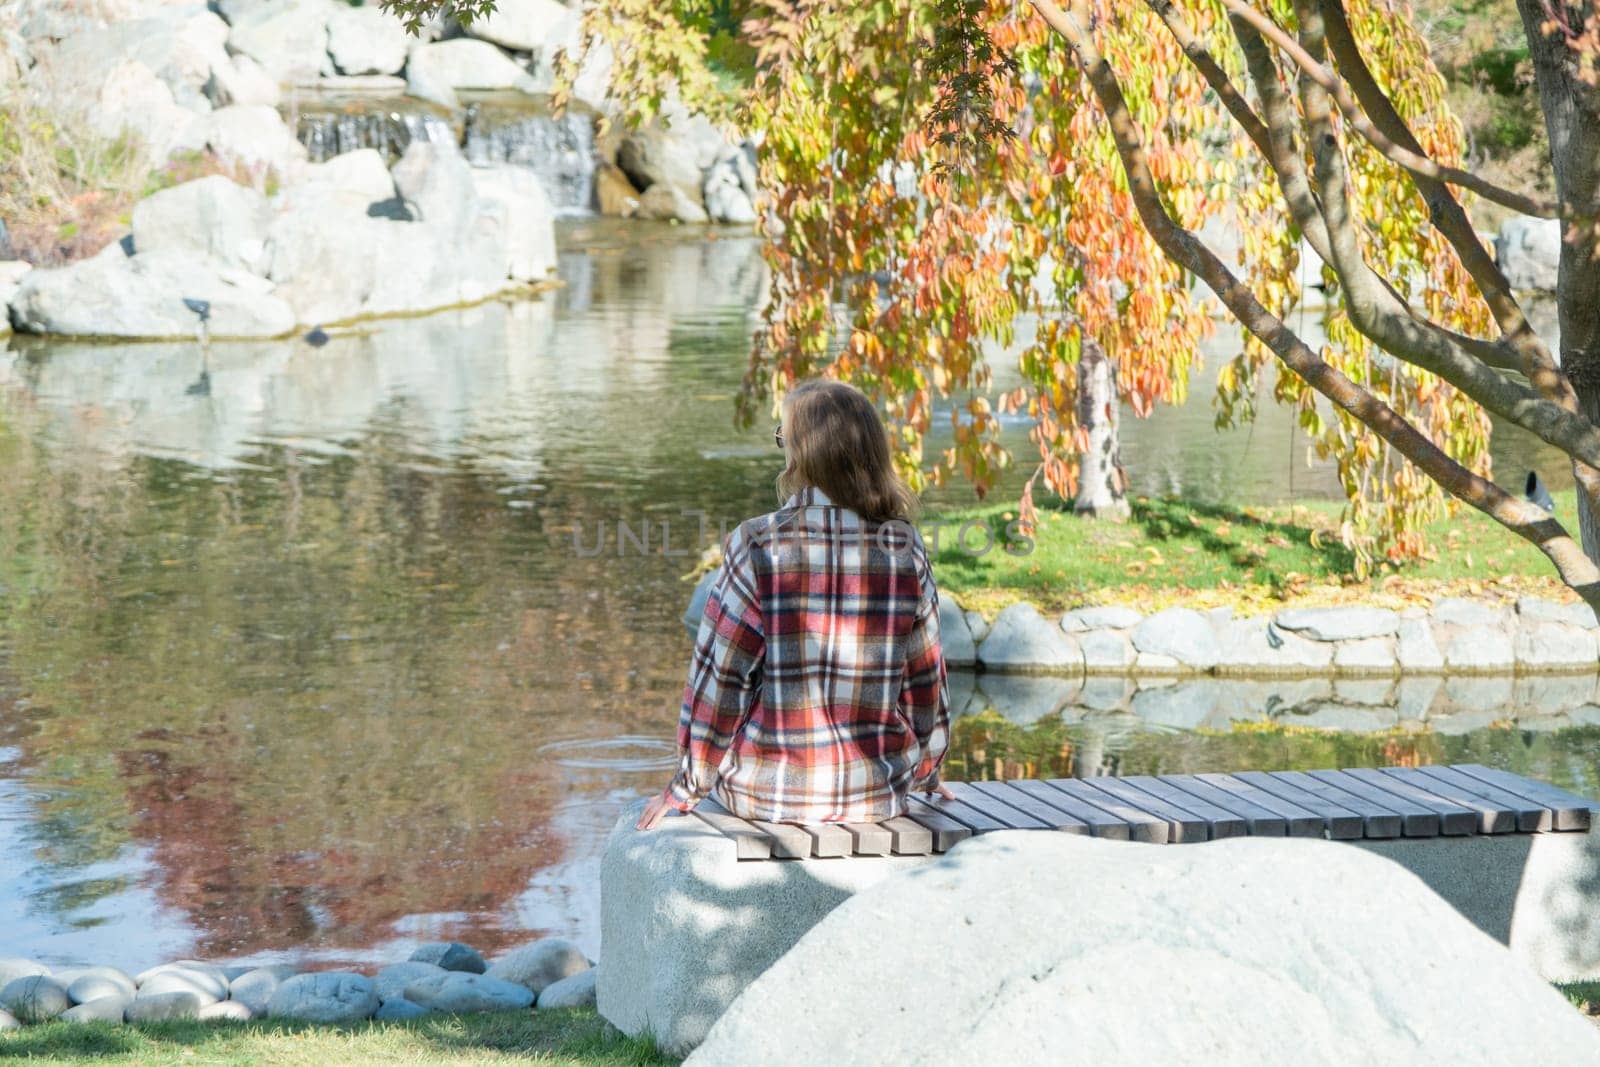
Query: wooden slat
[[979, 822], [829, 841], [1182, 826], [1532, 817], [1142, 826], [908, 837], [789, 842], [1220, 822], [1493, 817], [870, 838], [1571, 812], [1339, 821], [1098, 821], [947, 832], [1377, 821], [1299, 821], [1416, 820], [1053, 818], [750, 843], [1258, 821], [1011, 816], [1454, 820]]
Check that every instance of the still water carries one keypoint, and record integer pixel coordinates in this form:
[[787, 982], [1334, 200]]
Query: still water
[[322, 661]]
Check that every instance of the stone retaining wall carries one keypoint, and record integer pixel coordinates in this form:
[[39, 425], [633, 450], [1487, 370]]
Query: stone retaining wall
[[1455, 636]]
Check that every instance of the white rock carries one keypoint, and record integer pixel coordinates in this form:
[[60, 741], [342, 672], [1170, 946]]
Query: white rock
[[206, 987], [1416, 649], [723, 192], [1479, 648], [1156, 664], [666, 202], [181, 44], [1111, 617], [1184, 706], [108, 1009], [242, 81], [955, 636], [538, 964], [1338, 624], [252, 136], [116, 295], [366, 40], [289, 38], [1022, 639], [392, 980], [1027, 698], [211, 217], [527, 25], [398, 1009], [1460, 611], [450, 956], [8, 1021], [1372, 655], [1536, 609], [128, 99], [464, 63], [1548, 693], [1182, 634], [1106, 650], [35, 999], [1055, 942], [231, 1010], [1529, 252], [1549, 644], [100, 982], [1256, 646], [1345, 718], [978, 625], [529, 218], [162, 1007], [330, 997], [254, 989], [362, 174], [1415, 695], [575, 991], [461, 992], [675, 149]]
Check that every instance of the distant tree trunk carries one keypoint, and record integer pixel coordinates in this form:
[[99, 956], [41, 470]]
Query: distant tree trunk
[[1102, 484], [1572, 119]]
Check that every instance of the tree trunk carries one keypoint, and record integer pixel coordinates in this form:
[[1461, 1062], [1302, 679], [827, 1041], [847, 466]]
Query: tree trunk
[[1102, 485], [1572, 120]]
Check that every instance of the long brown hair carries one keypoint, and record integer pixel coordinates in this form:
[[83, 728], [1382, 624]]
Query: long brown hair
[[835, 440]]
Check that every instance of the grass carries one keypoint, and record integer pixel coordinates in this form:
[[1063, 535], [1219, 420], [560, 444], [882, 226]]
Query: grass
[[575, 1038], [1202, 555], [1585, 996]]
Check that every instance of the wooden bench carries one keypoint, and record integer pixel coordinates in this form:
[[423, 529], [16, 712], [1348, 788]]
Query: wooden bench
[[1391, 802]]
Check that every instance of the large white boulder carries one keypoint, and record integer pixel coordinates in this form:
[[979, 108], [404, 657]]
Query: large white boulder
[[114, 294], [180, 43], [289, 38], [213, 216], [252, 136], [464, 63], [123, 98], [366, 40], [675, 149], [1529, 252], [242, 81], [1048, 948], [530, 218], [527, 25]]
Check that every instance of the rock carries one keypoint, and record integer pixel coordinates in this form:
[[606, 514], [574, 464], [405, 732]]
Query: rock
[[529, 218], [361, 174], [668, 203], [1344, 718], [289, 38], [127, 99], [1491, 695], [35, 999], [575, 991], [463, 63], [1372, 655], [252, 136], [113, 294], [366, 40], [436, 183], [97, 986], [242, 81], [1415, 695], [180, 44], [329, 997], [212, 216], [397, 1009], [1185, 705], [8, 1021], [1459, 611], [1021, 639], [1535, 609], [539, 963], [536, 26], [1181, 633], [1338, 624], [1106, 650], [1553, 645], [1257, 646], [1155, 663], [723, 191], [1479, 648], [614, 192], [108, 1009], [210, 971], [463, 992], [1102, 693], [954, 636], [162, 1007], [1111, 617], [392, 980], [676, 149], [1548, 694], [978, 625], [254, 988], [1416, 649], [230, 1010], [207, 987], [1529, 252], [11, 275], [1027, 698], [1046, 941], [14, 967], [450, 956]]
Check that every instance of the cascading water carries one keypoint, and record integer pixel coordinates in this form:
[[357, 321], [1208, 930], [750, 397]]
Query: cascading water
[[334, 131], [558, 149]]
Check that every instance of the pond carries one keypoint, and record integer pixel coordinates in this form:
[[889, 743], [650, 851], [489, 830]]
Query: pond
[[312, 653]]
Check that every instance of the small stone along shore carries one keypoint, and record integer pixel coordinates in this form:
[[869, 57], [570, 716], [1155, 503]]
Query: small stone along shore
[[1456, 635], [444, 977]]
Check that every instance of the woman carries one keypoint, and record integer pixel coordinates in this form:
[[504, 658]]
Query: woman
[[817, 688]]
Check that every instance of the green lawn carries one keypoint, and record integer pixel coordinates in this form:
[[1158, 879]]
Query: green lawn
[[575, 1038], [1171, 550]]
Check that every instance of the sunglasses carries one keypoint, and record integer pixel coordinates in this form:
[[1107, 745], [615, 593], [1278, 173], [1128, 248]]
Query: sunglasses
[[777, 435]]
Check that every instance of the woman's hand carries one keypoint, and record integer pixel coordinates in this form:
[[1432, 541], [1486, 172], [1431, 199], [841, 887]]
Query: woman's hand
[[654, 811], [940, 790]]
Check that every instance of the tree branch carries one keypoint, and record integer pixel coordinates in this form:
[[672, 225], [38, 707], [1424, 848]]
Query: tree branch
[[1521, 517]]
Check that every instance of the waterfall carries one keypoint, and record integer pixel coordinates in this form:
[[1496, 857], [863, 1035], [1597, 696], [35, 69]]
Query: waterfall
[[560, 150], [335, 131]]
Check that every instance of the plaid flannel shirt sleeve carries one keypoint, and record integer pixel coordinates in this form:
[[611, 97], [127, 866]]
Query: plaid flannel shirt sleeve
[[923, 694], [724, 676]]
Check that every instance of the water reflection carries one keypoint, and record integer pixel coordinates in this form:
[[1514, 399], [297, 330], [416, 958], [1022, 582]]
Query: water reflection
[[309, 667]]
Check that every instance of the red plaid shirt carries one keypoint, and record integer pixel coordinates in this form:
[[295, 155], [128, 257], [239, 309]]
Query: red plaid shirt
[[817, 689]]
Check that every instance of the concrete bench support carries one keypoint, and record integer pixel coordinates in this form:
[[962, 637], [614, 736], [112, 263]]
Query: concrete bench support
[[686, 925]]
